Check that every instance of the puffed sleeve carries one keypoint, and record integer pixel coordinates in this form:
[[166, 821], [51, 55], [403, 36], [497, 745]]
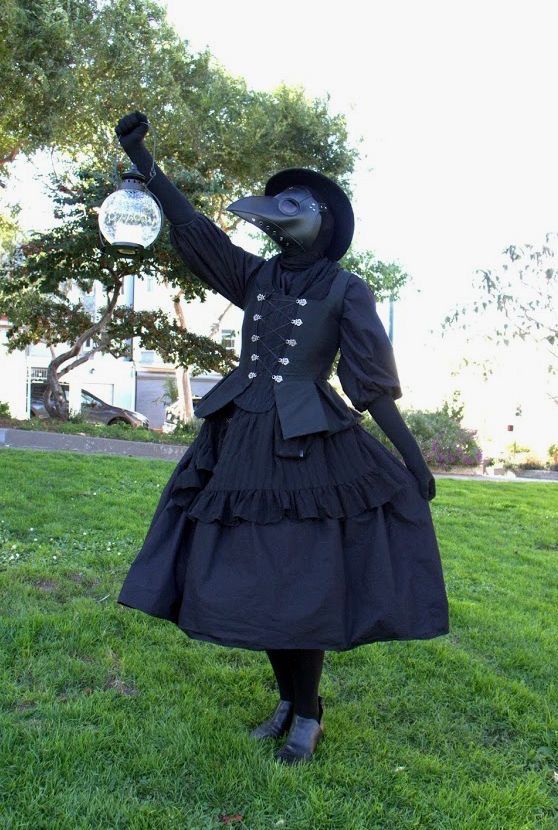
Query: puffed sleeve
[[366, 366], [214, 258]]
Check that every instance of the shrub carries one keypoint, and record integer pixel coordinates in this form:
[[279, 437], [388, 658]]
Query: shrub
[[531, 463], [189, 427], [442, 439], [4, 410]]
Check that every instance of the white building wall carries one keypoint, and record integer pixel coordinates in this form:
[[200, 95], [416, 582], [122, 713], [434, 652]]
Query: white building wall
[[13, 369]]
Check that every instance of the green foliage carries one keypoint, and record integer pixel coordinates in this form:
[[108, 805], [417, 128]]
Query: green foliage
[[187, 428], [99, 60], [4, 409], [455, 407], [66, 68], [9, 230], [531, 463], [36, 282], [384, 278], [443, 440], [170, 387]]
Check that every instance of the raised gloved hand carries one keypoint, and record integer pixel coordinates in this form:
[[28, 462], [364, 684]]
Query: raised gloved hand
[[131, 130]]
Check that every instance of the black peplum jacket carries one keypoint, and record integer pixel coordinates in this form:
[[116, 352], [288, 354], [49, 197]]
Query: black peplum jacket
[[294, 325]]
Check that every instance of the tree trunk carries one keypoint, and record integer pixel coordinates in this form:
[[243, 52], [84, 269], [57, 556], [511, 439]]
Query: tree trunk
[[184, 393], [183, 384], [55, 403], [54, 399]]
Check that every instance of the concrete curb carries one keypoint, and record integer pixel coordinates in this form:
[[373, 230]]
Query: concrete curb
[[30, 440]]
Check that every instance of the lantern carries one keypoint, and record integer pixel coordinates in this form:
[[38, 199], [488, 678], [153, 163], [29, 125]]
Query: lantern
[[130, 219]]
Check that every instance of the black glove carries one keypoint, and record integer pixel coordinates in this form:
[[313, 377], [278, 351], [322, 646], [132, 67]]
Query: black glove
[[426, 481], [389, 419], [131, 130]]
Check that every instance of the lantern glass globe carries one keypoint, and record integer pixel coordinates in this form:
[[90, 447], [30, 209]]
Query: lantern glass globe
[[130, 218]]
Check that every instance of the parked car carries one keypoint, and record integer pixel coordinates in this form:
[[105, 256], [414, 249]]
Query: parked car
[[93, 409]]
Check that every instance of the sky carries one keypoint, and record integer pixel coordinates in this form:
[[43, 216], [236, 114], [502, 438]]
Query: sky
[[453, 107]]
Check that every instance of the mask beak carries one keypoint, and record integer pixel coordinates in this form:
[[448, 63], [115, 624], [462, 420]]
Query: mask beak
[[252, 208], [262, 212]]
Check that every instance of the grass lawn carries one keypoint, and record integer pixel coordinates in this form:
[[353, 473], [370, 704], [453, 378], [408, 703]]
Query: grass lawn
[[111, 719]]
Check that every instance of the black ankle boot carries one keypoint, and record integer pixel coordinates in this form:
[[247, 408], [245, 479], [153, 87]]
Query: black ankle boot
[[278, 724], [303, 738]]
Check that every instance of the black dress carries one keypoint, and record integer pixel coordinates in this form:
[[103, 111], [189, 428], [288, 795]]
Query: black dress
[[251, 549]]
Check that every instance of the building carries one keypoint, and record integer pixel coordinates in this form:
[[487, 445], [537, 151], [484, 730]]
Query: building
[[139, 381]]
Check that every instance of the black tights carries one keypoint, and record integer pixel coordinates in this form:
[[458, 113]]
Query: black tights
[[298, 672]]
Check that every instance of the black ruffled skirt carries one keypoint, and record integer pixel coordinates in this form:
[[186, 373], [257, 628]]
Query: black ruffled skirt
[[254, 548]]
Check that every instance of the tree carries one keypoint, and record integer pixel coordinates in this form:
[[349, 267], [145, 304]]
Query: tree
[[36, 284], [521, 297], [67, 68]]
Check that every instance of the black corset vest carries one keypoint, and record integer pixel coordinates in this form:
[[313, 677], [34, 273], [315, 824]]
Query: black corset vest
[[288, 348]]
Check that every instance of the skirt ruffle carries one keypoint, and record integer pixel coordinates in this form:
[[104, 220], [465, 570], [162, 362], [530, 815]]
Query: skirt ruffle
[[232, 474], [252, 548]]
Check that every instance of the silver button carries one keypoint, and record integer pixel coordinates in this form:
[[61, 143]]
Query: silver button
[[291, 342], [297, 321], [301, 301], [261, 297], [257, 317], [252, 374], [255, 337], [277, 378], [283, 360], [255, 356]]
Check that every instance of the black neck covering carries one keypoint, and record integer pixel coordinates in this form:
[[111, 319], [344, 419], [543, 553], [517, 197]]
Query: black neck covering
[[307, 273]]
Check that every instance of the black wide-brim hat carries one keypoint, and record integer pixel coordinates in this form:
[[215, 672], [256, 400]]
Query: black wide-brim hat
[[327, 191]]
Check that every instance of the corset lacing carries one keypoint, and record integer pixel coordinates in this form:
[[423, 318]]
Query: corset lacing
[[259, 338]]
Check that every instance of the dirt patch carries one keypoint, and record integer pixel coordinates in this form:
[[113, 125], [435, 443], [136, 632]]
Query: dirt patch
[[80, 578], [46, 584], [73, 693], [23, 705], [116, 683]]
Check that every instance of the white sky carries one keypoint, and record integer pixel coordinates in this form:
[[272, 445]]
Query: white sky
[[456, 105]]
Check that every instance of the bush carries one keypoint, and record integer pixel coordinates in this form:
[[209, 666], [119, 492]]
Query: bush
[[442, 439], [531, 463], [190, 427], [4, 410]]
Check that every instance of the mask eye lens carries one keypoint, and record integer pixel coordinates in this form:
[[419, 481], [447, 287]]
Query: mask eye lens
[[288, 206]]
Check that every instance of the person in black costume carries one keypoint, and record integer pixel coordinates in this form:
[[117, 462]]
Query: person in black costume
[[322, 538]]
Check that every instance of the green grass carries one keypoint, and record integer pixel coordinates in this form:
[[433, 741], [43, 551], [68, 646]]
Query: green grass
[[110, 718]]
